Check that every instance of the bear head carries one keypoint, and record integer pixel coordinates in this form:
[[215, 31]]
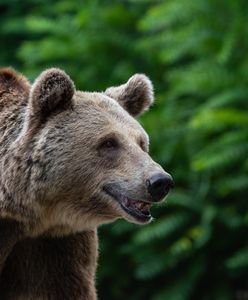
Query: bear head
[[81, 159]]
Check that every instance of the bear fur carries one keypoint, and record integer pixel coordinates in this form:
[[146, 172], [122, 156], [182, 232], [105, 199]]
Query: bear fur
[[60, 150]]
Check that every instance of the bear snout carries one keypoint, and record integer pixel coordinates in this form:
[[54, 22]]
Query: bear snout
[[159, 185]]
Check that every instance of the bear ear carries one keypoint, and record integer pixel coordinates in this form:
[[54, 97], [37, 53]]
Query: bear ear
[[52, 91], [135, 96], [11, 81]]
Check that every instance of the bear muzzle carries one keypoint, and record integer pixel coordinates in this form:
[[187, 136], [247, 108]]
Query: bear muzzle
[[157, 187]]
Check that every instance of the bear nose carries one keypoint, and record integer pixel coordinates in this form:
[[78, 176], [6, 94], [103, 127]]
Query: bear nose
[[159, 185]]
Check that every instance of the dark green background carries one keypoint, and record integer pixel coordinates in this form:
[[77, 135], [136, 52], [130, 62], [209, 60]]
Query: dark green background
[[196, 53]]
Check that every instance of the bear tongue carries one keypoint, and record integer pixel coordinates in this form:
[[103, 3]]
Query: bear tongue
[[139, 205], [143, 207]]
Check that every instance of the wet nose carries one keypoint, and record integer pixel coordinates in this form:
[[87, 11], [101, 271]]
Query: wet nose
[[158, 185]]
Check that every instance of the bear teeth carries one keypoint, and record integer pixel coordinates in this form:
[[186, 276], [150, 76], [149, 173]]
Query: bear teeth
[[137, 205], [142, 205]]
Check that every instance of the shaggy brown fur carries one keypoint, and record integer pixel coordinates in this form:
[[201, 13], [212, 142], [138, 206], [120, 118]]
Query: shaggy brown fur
[[59, 150]]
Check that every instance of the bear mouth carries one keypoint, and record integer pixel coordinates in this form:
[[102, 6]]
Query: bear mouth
[[138, 209]]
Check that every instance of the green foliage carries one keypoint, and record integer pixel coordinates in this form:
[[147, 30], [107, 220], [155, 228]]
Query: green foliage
[[196, 54]]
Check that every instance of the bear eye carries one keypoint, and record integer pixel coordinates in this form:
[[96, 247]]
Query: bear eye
[[143, 145], [109, 143]]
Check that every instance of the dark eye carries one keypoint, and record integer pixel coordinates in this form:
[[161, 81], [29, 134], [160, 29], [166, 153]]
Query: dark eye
[[109, 143], [143, 146]]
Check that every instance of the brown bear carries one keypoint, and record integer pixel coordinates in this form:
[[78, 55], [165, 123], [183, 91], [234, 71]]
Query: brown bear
[[69, 161]]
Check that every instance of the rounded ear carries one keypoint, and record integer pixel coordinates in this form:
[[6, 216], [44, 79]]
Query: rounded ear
[[52, 91], [135, 96], [10, 81]]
